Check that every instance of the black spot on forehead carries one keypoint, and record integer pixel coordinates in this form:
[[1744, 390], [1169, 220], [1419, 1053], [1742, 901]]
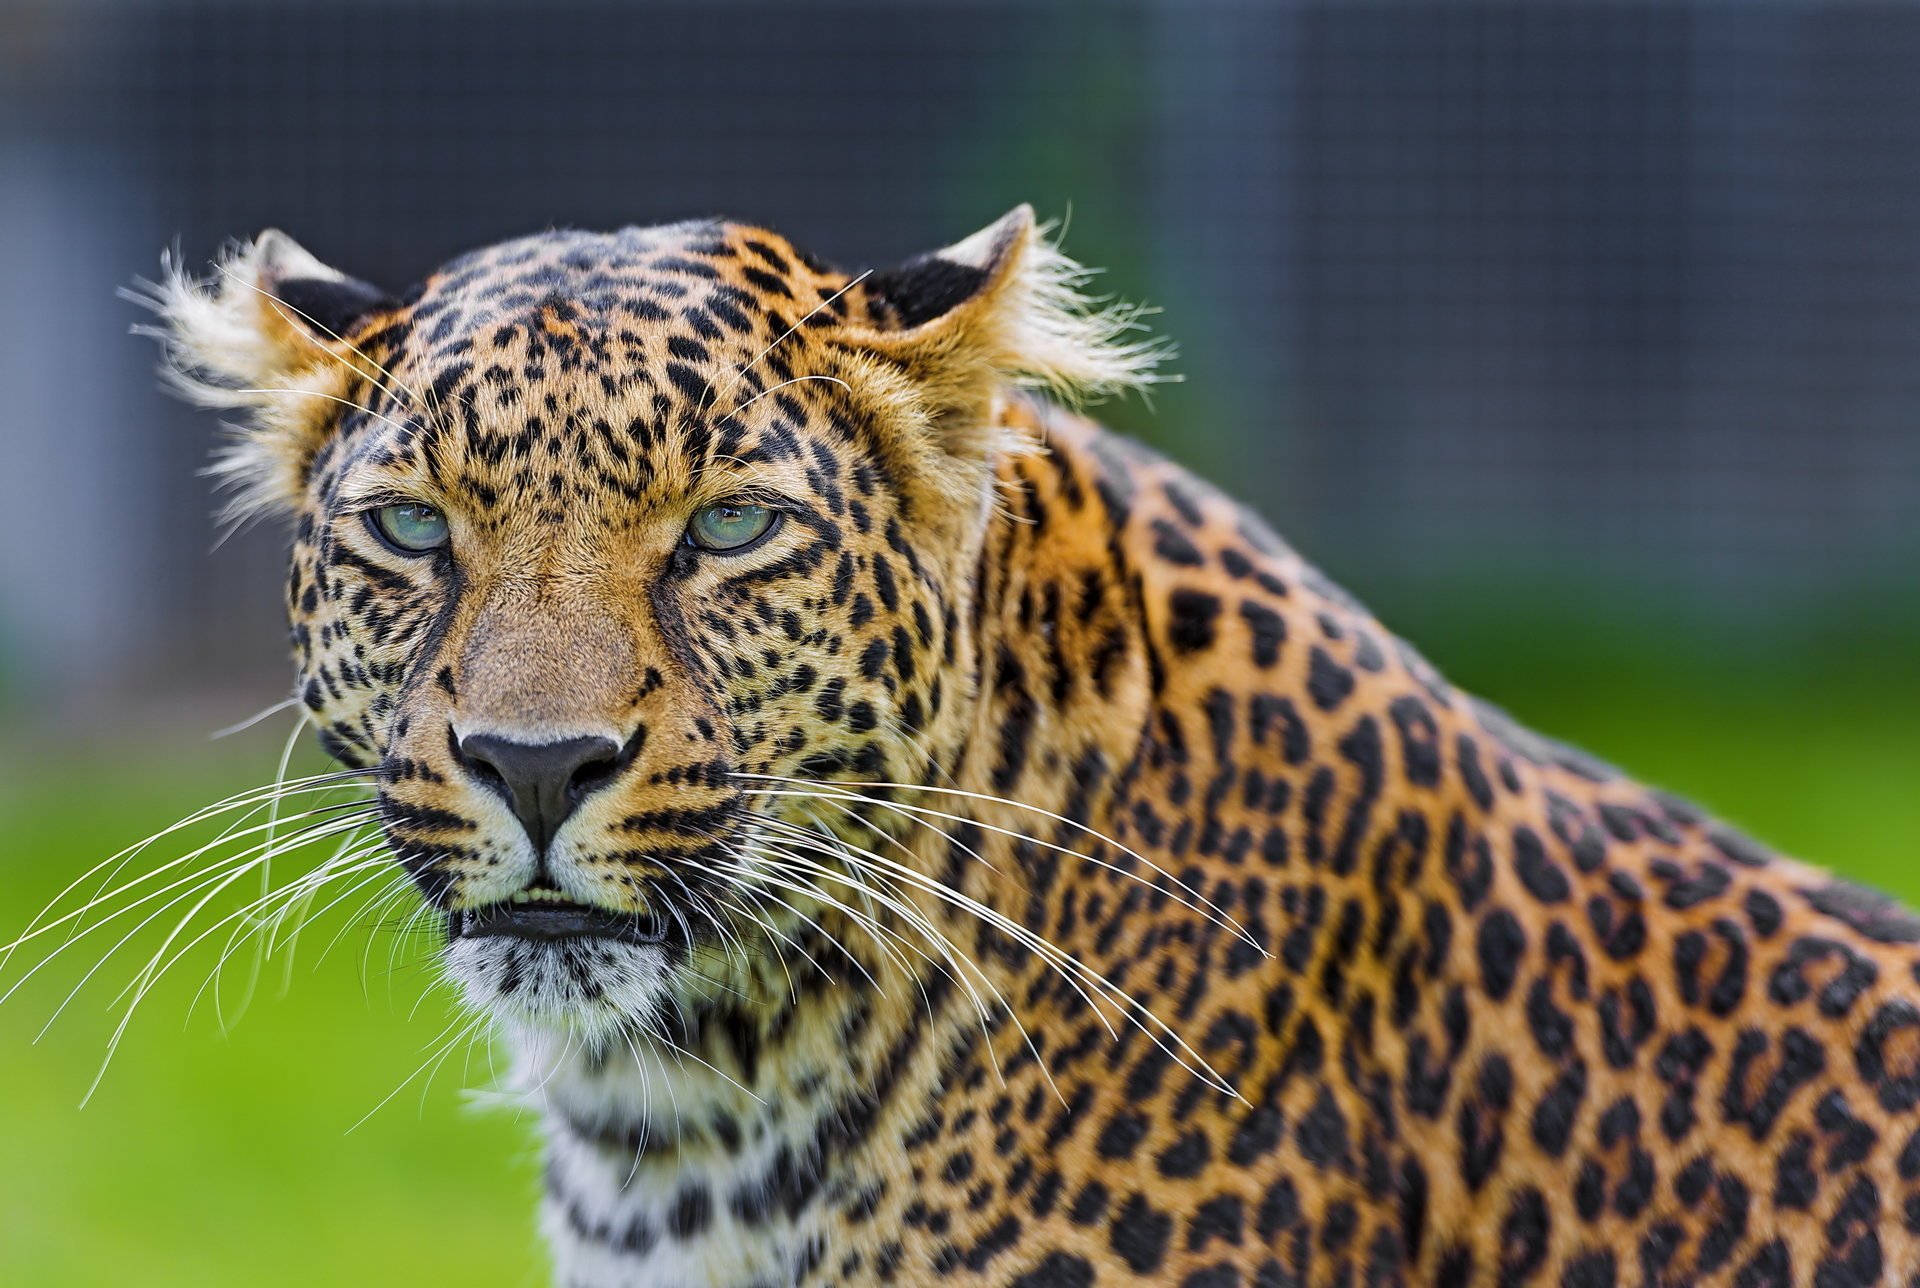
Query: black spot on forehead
[[634, 275]]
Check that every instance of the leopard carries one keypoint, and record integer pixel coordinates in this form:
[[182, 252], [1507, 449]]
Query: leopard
[[908, 833]]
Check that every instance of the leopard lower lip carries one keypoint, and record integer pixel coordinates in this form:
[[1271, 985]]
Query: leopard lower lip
[[549, 919]]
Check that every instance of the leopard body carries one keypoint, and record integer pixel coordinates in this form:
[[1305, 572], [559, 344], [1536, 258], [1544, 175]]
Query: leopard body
[[1074, 886]]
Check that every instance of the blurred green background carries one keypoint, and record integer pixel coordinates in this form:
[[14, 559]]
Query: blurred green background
[[1582, 343], [211, 1158]]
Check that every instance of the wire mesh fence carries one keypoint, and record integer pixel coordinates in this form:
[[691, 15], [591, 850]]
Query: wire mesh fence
[[1621, 295]]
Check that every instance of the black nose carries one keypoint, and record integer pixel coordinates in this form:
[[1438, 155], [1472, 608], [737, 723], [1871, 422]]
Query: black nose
[[543, 781]]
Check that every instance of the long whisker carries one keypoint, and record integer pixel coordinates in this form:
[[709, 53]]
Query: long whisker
[[681, 1052], [914, 811], [298, 899], [151, 972], [284, 308], [730, 943], [832, 380], [838, 850], [646, 1117], [301, 894], [243, 920], [1026, 1037], [472, 1026], [762, 876], [759, 919], [379, 867], [194, 883], [1051, 952], [254, 719], [1200, 902], [335, 398], [246, 859], [253, 797], [951, 958], [266, 870], [656, 1040], [228, 866], [884, 938], [356, 855], [849, 876], [400, 934], [957, 964], [248, 922], [782, 338], [760, 916]]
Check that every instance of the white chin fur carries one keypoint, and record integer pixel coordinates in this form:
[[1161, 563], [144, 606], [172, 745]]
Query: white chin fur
[[585, 989]]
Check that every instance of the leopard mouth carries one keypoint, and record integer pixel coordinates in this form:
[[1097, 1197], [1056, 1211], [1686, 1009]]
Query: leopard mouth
[[544, 914]]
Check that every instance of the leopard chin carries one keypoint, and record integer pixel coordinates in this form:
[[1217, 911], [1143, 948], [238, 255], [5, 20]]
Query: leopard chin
[[543, 959], [595, 988]]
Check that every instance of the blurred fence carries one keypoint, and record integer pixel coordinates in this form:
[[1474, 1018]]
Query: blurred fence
[[1622, 295]]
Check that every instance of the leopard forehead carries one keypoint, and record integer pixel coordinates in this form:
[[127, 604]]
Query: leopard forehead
[[653, 306], [544, 372]]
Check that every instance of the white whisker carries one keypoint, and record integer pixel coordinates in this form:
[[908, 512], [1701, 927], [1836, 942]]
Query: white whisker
[[150, 974], [958, 963], [473, 1025], [781, 339], [243, 725], [242, 862], [285, 308], [334, 398], [832, 380], [1199, 902], [254, 799], [1058, 957]]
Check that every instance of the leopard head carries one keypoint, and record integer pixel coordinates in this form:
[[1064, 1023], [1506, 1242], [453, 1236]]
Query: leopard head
[[603, 542]]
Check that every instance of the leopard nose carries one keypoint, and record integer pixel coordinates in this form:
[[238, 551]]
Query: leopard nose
[[543, 782]]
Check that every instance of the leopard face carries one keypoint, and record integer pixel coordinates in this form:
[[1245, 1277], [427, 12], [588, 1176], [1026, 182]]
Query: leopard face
[[601, 539]]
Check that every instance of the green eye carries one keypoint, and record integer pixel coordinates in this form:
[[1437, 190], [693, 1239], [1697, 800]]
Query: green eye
[[411, 528], [731, 526]]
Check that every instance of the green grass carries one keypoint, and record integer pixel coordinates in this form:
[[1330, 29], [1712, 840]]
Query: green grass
[[207, 1159]]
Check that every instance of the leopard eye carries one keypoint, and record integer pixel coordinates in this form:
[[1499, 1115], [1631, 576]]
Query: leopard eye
[[731, 526], [411, 527]]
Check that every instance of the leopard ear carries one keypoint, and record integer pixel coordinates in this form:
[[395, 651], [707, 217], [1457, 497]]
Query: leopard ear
[[1006, 306], [265, 332], [268, 308]]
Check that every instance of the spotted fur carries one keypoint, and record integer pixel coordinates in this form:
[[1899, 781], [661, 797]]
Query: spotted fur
[[1357, 981]]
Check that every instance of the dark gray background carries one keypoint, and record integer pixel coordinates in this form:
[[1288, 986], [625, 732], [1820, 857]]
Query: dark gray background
[[1616, 303]]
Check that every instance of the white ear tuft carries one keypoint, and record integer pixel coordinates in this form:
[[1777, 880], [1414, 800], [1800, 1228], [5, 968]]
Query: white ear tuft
[[1006, 306], [1043, 326], [233, 340], [217, 333]]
